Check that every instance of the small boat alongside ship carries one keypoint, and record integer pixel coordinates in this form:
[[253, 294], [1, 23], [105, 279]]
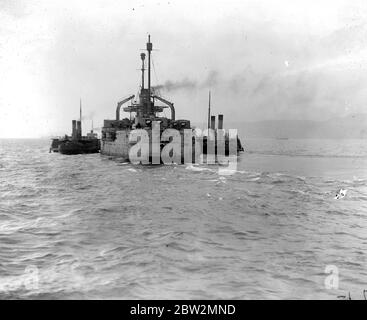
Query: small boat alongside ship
[[76, 143]]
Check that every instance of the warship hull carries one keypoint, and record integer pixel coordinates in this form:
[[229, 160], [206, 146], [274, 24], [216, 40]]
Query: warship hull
[[120, 147], [190, 152]]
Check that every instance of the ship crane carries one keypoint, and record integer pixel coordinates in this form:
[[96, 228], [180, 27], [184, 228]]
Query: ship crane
[[170, 104], [119, 104]]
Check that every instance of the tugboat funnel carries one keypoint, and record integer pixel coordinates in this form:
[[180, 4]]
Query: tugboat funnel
[[212, 122], [74, 131], [220, 121], [79, 129]]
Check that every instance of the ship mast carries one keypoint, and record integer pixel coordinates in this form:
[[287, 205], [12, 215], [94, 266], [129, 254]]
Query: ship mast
[[80, 110], [142, 69], [149, 49]]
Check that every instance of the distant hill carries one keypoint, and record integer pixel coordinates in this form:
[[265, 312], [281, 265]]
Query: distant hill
[[350, 127]]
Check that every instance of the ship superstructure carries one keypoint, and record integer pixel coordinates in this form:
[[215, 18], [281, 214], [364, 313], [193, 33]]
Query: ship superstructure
[[144, 113]]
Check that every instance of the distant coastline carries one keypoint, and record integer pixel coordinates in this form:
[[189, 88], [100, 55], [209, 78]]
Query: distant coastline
[[350, 127]]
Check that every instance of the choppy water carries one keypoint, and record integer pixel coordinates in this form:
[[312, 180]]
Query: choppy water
[[89, 227]]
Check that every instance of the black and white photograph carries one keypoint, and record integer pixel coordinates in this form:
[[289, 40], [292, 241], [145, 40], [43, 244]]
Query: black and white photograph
[[184, 151]]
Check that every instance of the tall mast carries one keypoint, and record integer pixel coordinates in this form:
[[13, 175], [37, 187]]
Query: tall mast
[[149, 49], [142, 55], [209, 111]]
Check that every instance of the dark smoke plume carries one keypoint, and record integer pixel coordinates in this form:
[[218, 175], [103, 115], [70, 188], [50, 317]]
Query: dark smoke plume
[[189, 84], [169, 85]]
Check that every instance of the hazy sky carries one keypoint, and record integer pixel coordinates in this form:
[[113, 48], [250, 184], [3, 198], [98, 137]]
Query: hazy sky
[[261, 59]]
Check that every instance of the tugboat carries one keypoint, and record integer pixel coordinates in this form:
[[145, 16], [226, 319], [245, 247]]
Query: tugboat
[[76, 144], [117, 134]]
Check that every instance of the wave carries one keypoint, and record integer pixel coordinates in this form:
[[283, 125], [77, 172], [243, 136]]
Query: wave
[[308, 155]]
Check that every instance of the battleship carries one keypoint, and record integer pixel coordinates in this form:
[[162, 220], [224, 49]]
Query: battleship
[[120, 137], [76, 143]]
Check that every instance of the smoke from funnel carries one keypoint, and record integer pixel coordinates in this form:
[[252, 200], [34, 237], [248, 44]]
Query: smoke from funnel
[[177, 85], [189, 84]]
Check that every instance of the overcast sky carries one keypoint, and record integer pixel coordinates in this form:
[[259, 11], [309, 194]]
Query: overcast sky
[[261, 59]]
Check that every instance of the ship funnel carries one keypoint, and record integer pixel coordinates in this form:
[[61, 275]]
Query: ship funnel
[[73, 132], [79, 129], [212, 122], [220, 121]]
